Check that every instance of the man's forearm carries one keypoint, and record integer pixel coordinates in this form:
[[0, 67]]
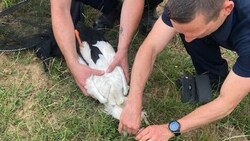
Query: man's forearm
[[64, 30], [129, 21], [147, 53], [141, 70], [203, 115]]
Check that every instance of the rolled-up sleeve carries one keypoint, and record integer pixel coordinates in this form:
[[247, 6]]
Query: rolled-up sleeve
[[165, 18], [242, 66]]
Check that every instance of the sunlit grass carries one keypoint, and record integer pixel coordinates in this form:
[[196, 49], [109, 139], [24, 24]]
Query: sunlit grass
[[39, 105], [8, 3]]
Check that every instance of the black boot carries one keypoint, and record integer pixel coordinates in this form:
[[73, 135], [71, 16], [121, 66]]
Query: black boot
[[147, 22], [149, 18], [107, 20], [216, 83]]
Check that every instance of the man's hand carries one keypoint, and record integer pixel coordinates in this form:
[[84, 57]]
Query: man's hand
[[131, 117], [120, 59], [154, 133], [81, 73]]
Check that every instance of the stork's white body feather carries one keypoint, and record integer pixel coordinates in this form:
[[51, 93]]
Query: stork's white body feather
[[111, 88]]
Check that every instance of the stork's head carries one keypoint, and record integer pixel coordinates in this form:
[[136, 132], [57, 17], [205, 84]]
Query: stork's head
[[88, 34], [91, 36]]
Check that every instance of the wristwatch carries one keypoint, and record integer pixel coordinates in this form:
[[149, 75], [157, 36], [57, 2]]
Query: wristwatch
[[174, 126]]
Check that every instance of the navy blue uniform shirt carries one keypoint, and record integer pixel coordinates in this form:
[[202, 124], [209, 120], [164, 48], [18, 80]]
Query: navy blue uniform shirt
[[234, 34]]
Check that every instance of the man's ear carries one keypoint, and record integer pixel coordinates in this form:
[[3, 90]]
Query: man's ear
[[228, 7]]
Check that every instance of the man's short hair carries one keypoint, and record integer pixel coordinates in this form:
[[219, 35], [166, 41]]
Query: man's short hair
[[184, 11]]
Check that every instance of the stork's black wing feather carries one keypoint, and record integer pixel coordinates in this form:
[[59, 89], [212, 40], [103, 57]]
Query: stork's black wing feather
[[91, 36]]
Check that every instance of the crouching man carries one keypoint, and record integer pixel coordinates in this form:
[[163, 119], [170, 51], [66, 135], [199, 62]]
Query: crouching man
[[204, 25]]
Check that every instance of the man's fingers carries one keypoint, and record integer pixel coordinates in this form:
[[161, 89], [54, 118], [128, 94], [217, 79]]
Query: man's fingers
[[97, 72], [138, 131], [126, 73], [120, 127], [84, 91], [111, 67], [142, 134]]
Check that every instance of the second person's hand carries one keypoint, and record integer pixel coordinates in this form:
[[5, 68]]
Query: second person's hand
[[130, 119], [120, 59], [81, 73]]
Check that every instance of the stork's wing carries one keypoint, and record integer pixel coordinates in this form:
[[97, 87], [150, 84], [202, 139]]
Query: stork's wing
[[91, 89], [124, 82]]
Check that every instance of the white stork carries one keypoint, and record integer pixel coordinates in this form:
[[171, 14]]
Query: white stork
[[109, 89]]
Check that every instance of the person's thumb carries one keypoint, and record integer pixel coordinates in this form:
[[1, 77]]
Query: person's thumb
[[97, 72], [84, 91], [111, 67], [126, 73]]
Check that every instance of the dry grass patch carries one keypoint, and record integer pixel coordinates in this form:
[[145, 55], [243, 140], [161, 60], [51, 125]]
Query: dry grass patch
[[19, 74]]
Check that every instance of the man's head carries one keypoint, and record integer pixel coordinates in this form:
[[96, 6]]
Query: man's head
[[198, 18]]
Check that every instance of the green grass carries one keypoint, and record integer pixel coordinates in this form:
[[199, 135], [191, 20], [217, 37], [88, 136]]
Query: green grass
[[8, 3], [38, 105]]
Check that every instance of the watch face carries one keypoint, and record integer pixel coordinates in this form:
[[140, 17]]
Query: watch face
[[174, 126]]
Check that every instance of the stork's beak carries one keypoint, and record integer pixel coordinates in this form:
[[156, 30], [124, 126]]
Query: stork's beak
[[78, 38]]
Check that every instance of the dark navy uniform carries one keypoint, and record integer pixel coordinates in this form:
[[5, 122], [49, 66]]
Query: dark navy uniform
[[107, 6], [234, 35], [110, 9]]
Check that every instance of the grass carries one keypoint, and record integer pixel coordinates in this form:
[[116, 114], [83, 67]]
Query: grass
[[38, 105], [8, 3]]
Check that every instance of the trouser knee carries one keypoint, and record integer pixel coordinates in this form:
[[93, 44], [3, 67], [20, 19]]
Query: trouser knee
[[105, 6], [152, 4], [206, 57]]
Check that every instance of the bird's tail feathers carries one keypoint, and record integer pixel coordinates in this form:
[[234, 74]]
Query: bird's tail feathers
[[114, 110], [124, 82], [91, 89]]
